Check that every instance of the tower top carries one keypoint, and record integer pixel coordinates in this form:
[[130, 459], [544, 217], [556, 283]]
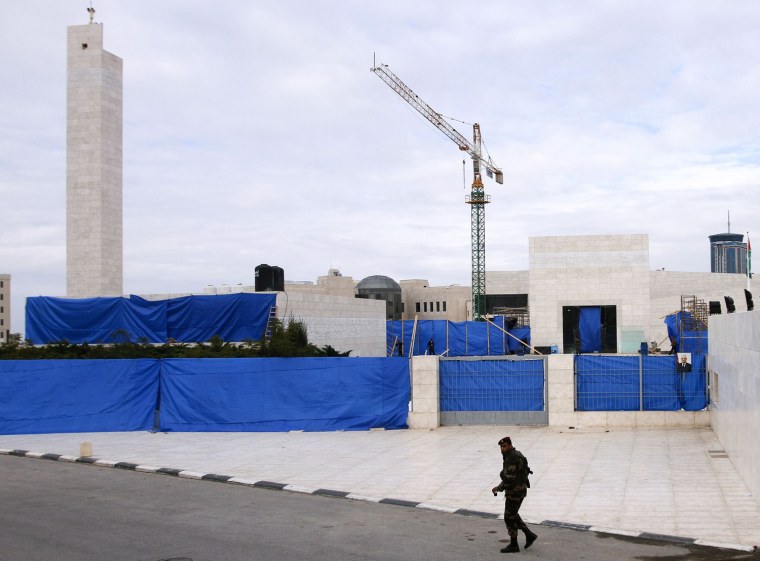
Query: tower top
[[91, 11]]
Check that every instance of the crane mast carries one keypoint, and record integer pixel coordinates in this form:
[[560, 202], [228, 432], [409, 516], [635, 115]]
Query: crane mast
[[477, 198]]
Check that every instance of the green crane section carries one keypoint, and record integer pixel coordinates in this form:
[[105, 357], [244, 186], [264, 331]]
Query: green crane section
[[477, 198]]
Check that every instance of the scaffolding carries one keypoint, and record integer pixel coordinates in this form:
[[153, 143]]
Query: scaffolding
[[516, 317], [692, 327]]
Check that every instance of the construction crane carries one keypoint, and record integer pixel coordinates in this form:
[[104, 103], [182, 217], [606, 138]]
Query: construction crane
[[477, 198]]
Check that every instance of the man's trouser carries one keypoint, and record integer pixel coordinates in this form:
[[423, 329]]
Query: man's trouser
[[511, 517]]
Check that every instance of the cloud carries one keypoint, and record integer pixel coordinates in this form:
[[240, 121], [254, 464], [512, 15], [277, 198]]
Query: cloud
[[255, 133]]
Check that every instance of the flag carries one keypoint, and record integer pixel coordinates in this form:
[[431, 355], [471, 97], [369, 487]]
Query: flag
[[749, 258]]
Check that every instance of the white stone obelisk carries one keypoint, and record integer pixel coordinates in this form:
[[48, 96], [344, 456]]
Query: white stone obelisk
[[94, 225]]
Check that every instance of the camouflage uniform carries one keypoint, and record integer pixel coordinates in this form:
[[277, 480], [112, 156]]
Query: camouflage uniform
[[514, 483]]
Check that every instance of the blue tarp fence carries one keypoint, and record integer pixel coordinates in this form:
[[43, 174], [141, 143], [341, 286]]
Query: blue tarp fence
[[615, 383], [492, 385], [189, 319], [57, 396], [464, 338], [259, 394]]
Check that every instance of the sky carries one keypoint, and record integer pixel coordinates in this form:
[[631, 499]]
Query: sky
[[254, 132]]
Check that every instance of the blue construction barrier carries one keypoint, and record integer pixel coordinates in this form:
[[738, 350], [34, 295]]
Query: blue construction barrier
[[492, 385], [251, 394], [613, 383], [463, 338], [282, 394], [189, 319], [52, 396]]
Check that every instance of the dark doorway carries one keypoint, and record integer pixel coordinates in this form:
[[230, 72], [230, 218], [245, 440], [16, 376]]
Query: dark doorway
[[571, 334]]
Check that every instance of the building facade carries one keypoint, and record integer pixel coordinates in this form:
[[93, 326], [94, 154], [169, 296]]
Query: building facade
[[94, 232], [728, 253]]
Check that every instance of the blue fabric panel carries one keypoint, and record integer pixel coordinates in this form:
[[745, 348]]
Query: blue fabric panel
[[607, 383], [660, 383], [59, 396], [439, 334], [497, 339], [457, 338], [477, 338], [233, 317], [425, 332], [590, 328], [394, 335], [693, 385], [282, 394], [492, 385], [522, 333], [94, 320], [694, 342]]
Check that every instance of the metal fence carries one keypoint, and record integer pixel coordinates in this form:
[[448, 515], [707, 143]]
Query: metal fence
[[493, 390], [639, 383]]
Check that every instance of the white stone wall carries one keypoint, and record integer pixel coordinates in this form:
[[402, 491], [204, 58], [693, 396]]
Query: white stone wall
[[346, 324], [589, 271], [734, 367], [94, 237]]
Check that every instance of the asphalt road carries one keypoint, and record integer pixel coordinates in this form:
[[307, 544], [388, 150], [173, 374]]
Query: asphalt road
[[57, 511]]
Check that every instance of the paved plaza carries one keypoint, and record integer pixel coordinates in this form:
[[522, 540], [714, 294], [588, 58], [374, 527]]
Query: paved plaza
[[675, 482]]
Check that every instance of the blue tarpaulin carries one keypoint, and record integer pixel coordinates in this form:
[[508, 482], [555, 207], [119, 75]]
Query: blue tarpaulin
[[50, 396], [612, 383], [607, 383], [590, 329], [492, 385], [282, 394], [190, 319], [94, 320], [465, 338], [233, 317]]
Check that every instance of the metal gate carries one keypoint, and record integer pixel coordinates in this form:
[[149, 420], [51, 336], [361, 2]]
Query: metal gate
[[505, 390]]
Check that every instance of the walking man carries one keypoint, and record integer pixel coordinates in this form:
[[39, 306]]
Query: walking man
[[514, 483]]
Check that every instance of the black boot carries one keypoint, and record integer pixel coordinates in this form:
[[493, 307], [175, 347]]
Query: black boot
[[530, 537], [512, 547]]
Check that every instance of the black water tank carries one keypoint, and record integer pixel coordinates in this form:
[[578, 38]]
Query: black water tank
[[278, 278], [263, 278]]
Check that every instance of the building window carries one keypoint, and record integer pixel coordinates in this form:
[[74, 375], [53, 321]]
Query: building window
[[444, 305], [424, 305], [431, 306], [417, 307], [437, 306]]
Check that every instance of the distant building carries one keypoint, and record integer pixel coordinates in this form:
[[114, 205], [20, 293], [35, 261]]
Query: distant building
[[5, 308], [728, 253]]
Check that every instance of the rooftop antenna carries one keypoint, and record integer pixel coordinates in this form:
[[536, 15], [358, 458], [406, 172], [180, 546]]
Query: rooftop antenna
[[729, 221], [91, 11]]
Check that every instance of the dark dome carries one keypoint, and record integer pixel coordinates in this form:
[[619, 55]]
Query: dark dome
[[378, 282]]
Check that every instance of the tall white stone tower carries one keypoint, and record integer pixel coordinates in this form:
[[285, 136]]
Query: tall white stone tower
[[94, 231]]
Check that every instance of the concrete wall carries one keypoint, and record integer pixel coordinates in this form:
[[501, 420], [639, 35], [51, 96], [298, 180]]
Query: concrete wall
[[589, 271], [734, 366], [346, 324], [94, 230]]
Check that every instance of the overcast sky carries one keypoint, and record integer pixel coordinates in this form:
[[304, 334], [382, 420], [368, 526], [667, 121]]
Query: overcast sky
[[254, 132]]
